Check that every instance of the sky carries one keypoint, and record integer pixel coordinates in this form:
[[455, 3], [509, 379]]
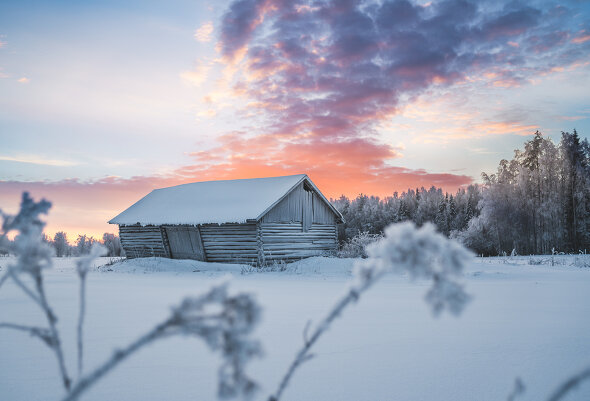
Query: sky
[[103, 101]]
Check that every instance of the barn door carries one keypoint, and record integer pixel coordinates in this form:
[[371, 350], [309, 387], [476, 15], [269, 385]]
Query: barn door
[[185, 243]]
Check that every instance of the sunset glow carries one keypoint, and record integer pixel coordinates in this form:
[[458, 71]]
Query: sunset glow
[[100, 103]]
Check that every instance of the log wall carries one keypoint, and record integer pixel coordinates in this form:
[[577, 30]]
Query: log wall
[[288, 241], [230, 243], [142, 242], [299, 226]]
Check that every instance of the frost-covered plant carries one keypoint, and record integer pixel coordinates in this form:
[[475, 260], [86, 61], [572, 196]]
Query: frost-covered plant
[[268, 267], [422, 253], [223, 321], [538, 261], [33, 255], [356, 246]]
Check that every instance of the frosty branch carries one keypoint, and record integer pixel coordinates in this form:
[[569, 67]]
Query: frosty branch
[[42, 333], [33, 255], [224, 322], [422, 253]]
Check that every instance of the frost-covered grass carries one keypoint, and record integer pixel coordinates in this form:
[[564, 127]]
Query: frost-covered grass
[[579, 260], [525, 320]]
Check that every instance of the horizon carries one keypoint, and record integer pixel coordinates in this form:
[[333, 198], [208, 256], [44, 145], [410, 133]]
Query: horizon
[[102, 103], [98, 235]]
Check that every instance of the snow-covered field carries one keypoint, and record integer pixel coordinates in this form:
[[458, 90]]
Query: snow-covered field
[[526, 320]]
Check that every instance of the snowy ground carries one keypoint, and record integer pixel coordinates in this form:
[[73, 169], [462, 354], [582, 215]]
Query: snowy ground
[[528, 319]]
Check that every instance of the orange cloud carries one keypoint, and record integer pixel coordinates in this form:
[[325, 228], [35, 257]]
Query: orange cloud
[[346, 167]]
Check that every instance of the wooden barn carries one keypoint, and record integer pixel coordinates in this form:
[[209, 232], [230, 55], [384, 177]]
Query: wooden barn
[[255, 221]]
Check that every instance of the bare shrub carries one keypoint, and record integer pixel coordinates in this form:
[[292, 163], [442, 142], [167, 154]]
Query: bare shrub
[[274, 266], [356, 246]]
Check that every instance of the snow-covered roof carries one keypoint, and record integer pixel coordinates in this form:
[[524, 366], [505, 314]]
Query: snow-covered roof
[[228, 201]]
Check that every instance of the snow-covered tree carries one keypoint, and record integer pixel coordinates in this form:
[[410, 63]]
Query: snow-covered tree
[[84, 244], [112, 243], [61, 244], [536, 202]]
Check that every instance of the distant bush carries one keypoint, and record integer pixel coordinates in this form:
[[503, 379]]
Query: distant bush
[[274, 266], [113, 244], [355, 247]]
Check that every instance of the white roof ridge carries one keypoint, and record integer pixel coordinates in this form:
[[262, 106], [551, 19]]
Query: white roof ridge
[[216, 201], [231, 180]]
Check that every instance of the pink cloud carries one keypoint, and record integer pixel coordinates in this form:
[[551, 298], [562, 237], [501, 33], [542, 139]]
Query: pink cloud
[[581, 39], [348, 167]]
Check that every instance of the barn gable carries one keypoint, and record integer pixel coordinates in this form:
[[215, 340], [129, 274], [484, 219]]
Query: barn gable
[[304, 203], [242, 221]]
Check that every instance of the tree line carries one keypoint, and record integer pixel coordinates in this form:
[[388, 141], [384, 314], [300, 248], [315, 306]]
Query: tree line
[[536, 203], [371, 214], [83, 244]]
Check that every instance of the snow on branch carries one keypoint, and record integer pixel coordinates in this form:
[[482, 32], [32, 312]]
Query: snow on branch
[[420, 252], [423, 254], [33, 254], [226, 330]]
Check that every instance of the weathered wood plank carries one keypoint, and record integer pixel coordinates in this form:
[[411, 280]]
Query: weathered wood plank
[[230, 243], [288, 241], [140, 241]]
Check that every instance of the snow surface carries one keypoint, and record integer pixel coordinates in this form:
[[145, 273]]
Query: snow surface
[[528, 319], [229, 201]]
